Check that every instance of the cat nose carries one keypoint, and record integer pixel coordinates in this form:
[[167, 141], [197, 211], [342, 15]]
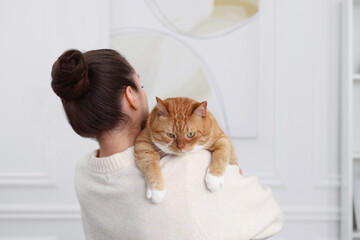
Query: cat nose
[[181, 146]]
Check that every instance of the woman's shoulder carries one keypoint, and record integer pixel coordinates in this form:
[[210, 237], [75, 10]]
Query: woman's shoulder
[[82, 162], [202, 157], [195, 165], [86, 156], [242, 207], [102, 165]]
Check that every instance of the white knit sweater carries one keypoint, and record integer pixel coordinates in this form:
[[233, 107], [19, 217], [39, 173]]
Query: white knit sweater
[[112, 196]]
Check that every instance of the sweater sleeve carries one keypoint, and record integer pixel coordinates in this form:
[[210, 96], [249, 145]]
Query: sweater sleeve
[[241, 209]]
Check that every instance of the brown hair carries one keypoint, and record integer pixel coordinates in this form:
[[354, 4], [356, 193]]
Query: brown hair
[[91, 86]]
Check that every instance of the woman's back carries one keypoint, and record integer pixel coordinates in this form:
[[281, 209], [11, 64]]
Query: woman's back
[[111, 192]]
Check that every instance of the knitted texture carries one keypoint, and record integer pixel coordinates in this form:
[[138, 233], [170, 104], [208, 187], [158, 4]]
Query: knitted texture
[[111, 192]]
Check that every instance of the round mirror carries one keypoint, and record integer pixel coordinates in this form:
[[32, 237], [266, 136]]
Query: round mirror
[[203, 18]]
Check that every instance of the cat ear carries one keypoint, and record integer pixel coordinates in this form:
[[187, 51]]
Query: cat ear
[[200, 110], [161, 109]]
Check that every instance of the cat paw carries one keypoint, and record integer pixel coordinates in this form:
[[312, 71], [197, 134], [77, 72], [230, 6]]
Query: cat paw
[[213, 183], [154, 195]]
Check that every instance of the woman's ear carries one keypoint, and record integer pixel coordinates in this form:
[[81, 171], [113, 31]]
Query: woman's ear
[[131, 97]]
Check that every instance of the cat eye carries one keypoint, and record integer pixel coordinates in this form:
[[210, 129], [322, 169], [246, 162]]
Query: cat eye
[[190, 134], [171, 135]]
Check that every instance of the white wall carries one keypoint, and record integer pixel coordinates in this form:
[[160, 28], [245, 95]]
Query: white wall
[[38, 147], [295, 149], [299, 108]]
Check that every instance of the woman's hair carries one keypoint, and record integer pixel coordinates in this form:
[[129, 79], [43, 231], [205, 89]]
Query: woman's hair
[[91, 87]]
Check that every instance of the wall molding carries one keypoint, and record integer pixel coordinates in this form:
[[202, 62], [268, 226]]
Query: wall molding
[[30, 179], [273, 182], [268, 179], [311, 213], [329, 182], [29, 238], [40, 212], [72, 212]]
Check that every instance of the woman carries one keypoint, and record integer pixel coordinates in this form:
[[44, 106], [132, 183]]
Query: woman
[[103, 99]]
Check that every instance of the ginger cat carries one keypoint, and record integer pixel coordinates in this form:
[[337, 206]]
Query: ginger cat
[[177, 126]]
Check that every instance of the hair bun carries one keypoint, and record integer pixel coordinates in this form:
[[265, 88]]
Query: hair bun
[[70, 75]]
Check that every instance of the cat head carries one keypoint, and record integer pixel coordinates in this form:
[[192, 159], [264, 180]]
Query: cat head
[[179, 125]]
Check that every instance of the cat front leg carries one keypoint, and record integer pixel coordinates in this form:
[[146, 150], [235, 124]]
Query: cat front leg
[[152, 173], [155, 185], [147, 159], [221, 153]]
